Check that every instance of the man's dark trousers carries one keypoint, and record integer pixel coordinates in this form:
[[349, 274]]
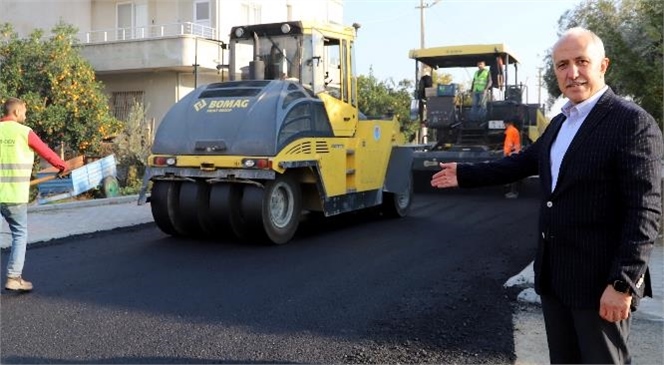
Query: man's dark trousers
[[581, 336]]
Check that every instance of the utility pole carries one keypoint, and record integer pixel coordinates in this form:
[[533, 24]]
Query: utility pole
[[196, 62], [423, 138], [422, 7], [539, 86]]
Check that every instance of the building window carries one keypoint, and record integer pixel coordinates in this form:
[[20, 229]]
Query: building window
[[125, 21], [202, 12], [131, 20], [123, 101], [251, 13], [297, 122]]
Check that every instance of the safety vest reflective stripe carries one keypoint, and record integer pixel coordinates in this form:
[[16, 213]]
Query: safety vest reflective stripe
[[480, 80], [5, 179], [15, 166], [17, 159]]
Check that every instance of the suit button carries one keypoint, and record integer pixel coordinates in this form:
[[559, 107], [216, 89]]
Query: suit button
[[549, 204]]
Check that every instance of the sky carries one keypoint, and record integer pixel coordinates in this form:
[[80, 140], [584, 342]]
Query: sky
[[390, 28]]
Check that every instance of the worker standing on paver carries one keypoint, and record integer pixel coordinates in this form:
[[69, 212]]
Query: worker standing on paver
[[18, 143], [479, 87]]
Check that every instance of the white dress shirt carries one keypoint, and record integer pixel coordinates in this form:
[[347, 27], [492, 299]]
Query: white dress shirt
[[576, 114]]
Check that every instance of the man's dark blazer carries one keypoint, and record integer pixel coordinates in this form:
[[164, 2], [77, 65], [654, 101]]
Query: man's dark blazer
[[601, 221]]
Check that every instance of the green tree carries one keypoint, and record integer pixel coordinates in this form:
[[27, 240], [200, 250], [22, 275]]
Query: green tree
[[132, 146], [441, 78], [632, 32], [65, 102], [379, 98]]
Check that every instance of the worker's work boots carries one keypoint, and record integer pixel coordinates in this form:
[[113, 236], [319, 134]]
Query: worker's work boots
[[17, 283]]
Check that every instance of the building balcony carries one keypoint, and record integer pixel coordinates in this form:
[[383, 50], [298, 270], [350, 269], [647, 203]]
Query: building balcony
[[147, 32], [168, 47]]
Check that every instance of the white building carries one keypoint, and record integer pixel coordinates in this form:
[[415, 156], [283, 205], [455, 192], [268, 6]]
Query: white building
[[157, 51]]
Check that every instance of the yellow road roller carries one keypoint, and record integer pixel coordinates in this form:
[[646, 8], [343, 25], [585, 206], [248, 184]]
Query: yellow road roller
[[247, 157]]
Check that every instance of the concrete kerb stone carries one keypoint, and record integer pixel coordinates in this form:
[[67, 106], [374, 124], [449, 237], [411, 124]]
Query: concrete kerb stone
[[55, 221]]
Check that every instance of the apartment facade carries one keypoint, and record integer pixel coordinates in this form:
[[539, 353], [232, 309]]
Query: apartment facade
[[157, 51]]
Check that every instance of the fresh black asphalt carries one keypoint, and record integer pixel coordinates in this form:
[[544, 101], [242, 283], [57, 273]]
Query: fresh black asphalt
[[352, 289]]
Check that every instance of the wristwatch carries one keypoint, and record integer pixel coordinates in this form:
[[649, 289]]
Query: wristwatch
[[621, 286]]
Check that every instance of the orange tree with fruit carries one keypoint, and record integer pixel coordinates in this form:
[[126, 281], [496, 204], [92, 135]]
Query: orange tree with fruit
[[65, 102]]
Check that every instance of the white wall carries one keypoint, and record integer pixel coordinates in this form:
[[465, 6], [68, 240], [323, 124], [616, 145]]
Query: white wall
[[318, 10], [161, 89], [273, 11], [27, 15]]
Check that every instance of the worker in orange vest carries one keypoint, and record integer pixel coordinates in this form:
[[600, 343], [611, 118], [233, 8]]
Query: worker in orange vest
[[512, 145]]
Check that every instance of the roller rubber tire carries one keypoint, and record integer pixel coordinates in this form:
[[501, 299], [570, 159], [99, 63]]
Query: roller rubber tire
[[281, 208], [163, 201], [215, 212], [397, 205], [186, 218], [246, 220]]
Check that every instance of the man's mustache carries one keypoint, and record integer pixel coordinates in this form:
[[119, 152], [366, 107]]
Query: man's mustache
[[576, 83]]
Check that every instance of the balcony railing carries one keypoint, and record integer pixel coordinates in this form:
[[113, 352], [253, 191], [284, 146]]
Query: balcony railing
[[147, 32]]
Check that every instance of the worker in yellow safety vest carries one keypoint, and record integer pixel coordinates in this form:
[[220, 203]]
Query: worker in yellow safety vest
[[479, 87], [18, 144]]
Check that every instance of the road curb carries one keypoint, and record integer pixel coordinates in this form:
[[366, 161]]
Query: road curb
[[83, 203]]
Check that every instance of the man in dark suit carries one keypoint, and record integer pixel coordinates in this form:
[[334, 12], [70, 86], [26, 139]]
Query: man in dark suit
[[599, 164]]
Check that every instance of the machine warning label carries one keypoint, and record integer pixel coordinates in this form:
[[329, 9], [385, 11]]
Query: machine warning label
[[496, 124], [221, 106]]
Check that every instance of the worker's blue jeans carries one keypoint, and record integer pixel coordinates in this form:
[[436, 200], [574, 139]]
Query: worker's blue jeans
[[479, 100], [17, 217]]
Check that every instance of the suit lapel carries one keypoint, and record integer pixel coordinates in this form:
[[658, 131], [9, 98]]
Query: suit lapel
[[594, 118]]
